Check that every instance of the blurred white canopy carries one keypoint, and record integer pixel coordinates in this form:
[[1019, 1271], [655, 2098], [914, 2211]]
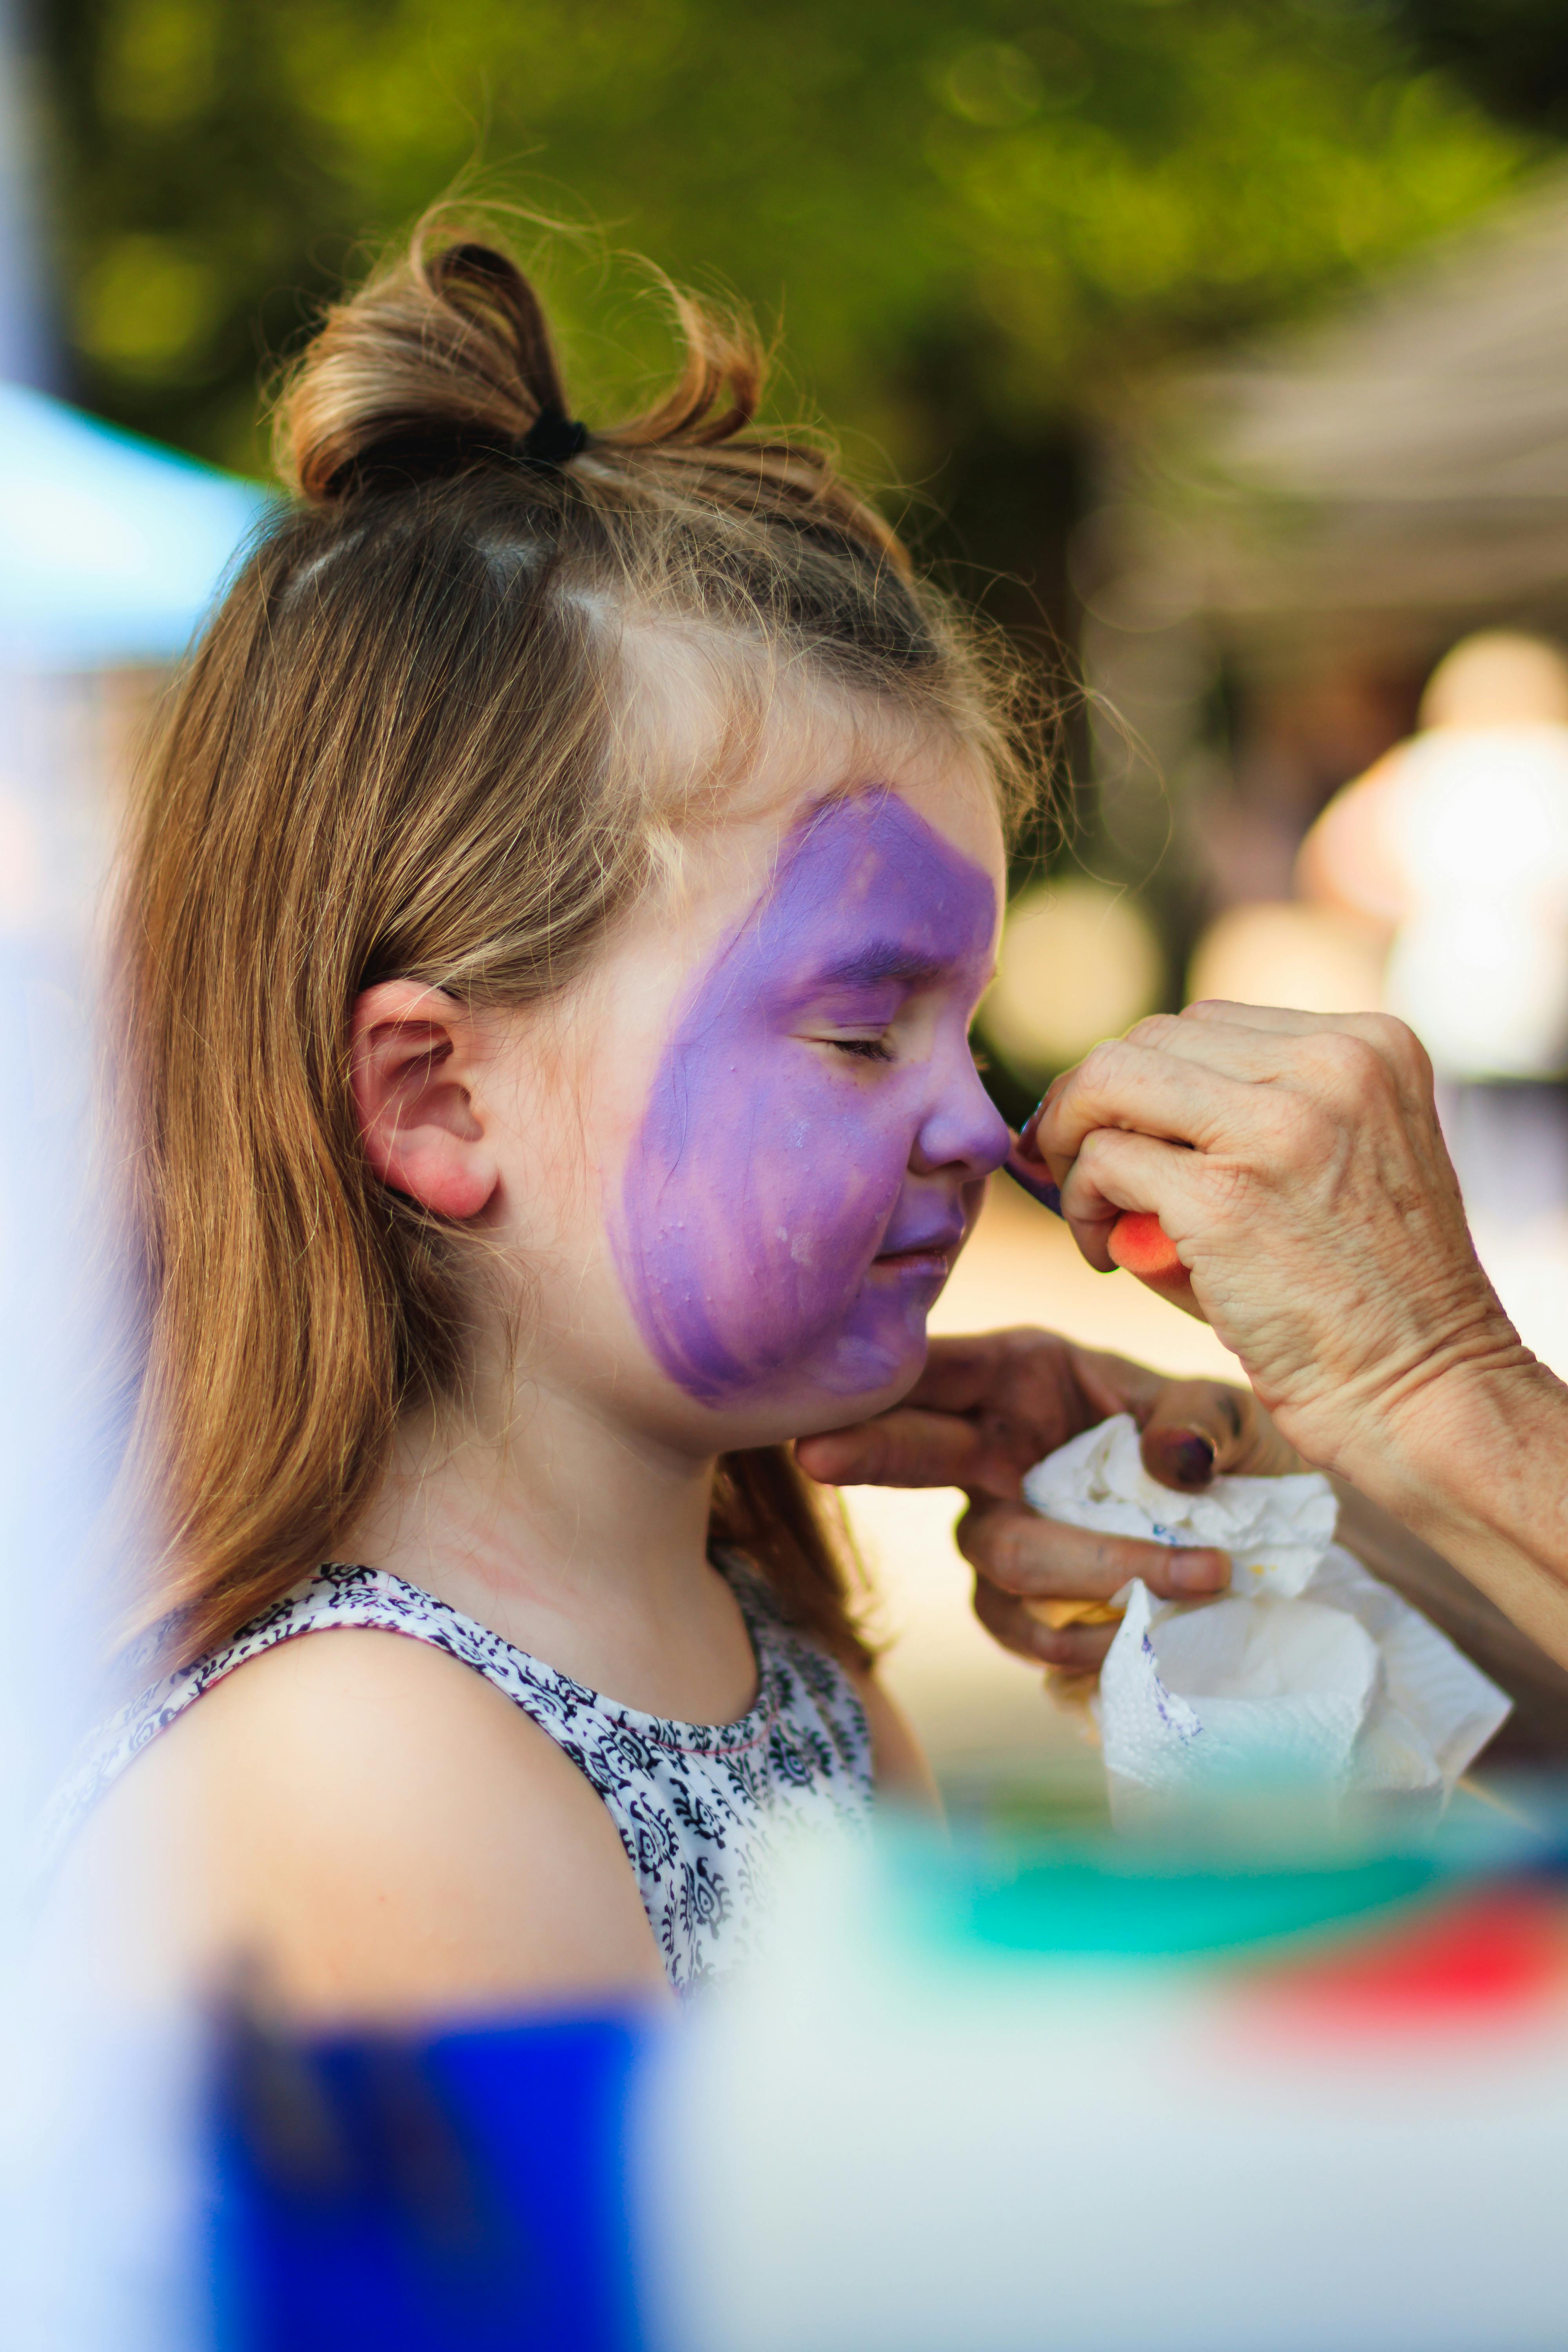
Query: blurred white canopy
[[111, 548]]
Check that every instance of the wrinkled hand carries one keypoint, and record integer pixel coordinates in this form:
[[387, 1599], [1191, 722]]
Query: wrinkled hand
[[986, 1410], [1296, 1161]]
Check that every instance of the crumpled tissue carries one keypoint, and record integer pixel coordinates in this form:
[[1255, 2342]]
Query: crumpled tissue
[[1307, 1673]]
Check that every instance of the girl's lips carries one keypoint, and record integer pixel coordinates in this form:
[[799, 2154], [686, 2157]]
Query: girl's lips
[[927, 1253], [930, 1260]]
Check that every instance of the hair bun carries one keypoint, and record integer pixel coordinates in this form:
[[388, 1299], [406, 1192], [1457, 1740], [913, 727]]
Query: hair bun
[[441, 363], [445, 363]]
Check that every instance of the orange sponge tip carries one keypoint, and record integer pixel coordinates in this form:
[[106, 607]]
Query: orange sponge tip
[[1141, 1244]]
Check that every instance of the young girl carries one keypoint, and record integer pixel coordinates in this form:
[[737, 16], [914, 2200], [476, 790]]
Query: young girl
[[551, 925]]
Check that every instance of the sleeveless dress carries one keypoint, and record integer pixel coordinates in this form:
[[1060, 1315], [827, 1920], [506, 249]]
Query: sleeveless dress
[[702, 1809]]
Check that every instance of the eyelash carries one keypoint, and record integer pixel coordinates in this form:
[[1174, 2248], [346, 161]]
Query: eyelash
[[868, 1049]]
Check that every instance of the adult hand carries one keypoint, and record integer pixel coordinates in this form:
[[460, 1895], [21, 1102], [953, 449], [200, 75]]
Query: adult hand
[[986, 1410], [1297, 1163]]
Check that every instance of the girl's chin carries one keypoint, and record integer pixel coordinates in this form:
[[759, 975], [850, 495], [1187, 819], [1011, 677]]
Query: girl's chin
[[854, 1393], [808, 1407], [867, 1365]]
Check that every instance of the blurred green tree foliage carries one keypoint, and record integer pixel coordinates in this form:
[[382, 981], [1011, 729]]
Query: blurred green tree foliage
[[971, 218]]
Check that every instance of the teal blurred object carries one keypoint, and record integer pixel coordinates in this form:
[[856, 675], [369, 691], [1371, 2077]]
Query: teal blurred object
[[111, 548], [1225, 1879], [1034, 1867], [1097, 1901]]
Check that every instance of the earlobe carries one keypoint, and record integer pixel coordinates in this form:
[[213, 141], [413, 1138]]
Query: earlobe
[[412, 1071]]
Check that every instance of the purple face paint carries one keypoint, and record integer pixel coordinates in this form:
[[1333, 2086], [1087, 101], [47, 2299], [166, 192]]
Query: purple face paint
[[790, 1205]]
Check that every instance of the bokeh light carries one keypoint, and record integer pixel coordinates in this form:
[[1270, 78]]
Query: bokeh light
[[1079, 961], [1313, 958]]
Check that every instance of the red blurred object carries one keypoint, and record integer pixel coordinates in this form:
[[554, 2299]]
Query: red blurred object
[[1493, 1958]]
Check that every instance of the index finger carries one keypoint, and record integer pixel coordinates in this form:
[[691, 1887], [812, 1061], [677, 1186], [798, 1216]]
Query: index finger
[[907, 1448], [1134, 1085], [1280, 1018]]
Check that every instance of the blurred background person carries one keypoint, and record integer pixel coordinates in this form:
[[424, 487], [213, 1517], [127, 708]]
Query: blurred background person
[[1456, 841], [1456, 844]]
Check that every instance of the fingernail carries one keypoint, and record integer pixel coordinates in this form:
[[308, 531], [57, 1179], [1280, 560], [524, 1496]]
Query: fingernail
[[1198, 1571], [1036, 1183], [1192, 1457]]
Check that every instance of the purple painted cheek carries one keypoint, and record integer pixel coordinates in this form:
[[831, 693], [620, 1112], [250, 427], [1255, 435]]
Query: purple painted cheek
[[765, 1175]]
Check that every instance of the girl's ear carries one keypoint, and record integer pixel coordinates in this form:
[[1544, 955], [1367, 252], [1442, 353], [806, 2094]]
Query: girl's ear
[[412, 1065]]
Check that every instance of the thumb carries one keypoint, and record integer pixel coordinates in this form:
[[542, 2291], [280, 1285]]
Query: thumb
[[1197, 1429]]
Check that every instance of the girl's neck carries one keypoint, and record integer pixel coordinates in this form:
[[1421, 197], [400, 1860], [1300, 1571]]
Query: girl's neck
[[584, 1545]]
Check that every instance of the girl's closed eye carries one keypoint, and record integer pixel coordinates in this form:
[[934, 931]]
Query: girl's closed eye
[[867, 1049], [867, 1032]]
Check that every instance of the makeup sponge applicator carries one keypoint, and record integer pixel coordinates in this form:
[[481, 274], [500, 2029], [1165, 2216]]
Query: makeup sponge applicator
[[1138, 1241], [1141, 1246]]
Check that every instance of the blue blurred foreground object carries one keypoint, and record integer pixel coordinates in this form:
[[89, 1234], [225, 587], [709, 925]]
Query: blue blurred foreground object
[[111, 548], [463, 2195], [990, 2097]]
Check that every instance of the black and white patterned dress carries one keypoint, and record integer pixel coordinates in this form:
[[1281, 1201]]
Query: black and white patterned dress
[[702, 1809]]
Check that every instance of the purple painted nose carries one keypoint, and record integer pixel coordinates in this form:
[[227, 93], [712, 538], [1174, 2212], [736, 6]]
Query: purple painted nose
[[963, 1128]]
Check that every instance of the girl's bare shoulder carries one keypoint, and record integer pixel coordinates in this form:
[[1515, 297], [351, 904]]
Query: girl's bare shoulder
[[381, 1832]]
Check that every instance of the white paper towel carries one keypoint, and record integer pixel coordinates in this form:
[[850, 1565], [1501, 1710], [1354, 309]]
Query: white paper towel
[[1307, 1673]]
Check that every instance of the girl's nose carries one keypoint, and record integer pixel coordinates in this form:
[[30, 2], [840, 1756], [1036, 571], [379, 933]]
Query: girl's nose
[[963, 1130]]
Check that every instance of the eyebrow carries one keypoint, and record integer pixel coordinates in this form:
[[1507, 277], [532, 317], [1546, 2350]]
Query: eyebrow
[[883, 960]]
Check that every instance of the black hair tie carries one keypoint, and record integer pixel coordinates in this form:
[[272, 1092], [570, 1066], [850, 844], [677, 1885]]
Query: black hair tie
[[553, 439]]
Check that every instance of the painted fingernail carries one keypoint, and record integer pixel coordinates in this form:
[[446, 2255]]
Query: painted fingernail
[[1033, 1179], [1191, 1457], [1198, 1571]]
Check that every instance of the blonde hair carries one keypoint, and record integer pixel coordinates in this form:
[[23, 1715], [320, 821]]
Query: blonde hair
[[406, 744]]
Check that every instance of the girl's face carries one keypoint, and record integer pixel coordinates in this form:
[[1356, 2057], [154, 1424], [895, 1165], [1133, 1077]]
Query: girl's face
[[785, 1139]]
